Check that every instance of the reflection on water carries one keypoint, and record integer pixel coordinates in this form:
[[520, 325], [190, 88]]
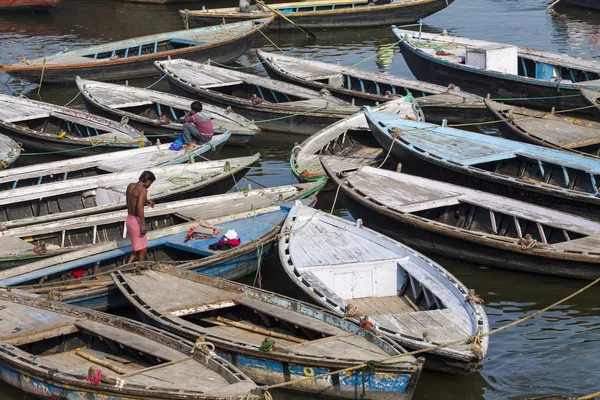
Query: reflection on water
[[555, 352]]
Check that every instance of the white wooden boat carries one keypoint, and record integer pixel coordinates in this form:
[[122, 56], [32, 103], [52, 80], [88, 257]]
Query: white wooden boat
[[592, 97], [272, 105], [9, 152], [271, 338], [85, 196], [104, 163], [363, 275], [30, 243], [471, 225], [45, 127], [157, 113], [54, 350], [350, 139]]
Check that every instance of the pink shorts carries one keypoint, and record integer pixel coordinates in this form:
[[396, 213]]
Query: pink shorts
[[134, 228]]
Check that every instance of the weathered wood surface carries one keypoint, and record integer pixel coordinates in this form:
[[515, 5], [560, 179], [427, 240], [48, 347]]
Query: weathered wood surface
[[71, 198], [364, 272], [119, 98], [9, 152]]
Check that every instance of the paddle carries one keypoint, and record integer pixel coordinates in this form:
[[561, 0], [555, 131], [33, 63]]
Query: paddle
[[280, 14]]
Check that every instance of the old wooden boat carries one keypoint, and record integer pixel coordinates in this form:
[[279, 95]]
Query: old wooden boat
[[470, 225], [326, 13], [133, 58], [349, 139], [157, 113], [33, 242], [547, 128], [587, 4], [45, 127], [27, 5], [105, 163], [256, 213], [9, 152], [270, 104], [519, 75], [369, 88], [592, 98], [85, 196], [52, 350], [366, 276], [536, 174], [271, 338], [255, 228]]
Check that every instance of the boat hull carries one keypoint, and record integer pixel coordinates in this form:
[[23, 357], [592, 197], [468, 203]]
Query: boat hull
[[124, 69], [498, 85], [588, 4], [164, 133], [27, 5], [587, 207], [344, 18], [271, 119], [431, 242]]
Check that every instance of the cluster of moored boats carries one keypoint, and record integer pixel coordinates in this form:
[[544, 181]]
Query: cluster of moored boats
[[527, 201]]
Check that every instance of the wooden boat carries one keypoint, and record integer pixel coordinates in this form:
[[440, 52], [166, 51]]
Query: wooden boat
[[45, 127], [362, 87], [592, 98], [85, 196], [32, 242], [157, 113], [105, 163], [9, 152], [349, 139], [133, 58], [96, 290], [27, 5], [271, 338], [470, 225], [256, 229], [587, 4], [547, 128], [366, 276], [539, 175], [54, 350], [326, 14], [512, 73], [283, 107]]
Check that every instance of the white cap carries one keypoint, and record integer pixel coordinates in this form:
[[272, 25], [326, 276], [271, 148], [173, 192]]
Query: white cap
[[231, 234]]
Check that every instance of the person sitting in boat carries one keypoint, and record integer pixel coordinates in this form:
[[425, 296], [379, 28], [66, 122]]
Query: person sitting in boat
[[136, 197], [197, 126]]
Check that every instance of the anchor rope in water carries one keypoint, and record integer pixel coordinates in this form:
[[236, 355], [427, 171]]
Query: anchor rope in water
[[472, 338]]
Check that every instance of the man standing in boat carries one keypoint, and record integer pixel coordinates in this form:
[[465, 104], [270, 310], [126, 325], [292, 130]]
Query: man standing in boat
[[136, 196], [197, 126]]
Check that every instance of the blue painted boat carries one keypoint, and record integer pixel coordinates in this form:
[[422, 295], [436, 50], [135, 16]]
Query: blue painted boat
[[271, 338], [257, 228], [9, 152], [134, 58], [518, 75], [56, 351], [539, 175]]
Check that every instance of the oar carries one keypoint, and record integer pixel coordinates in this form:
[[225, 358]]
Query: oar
[[553, 4], [309, 33]]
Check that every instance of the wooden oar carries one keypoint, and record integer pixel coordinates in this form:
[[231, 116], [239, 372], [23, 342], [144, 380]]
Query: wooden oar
[[309, 33]]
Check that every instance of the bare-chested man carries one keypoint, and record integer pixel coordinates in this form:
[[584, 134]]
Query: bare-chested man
[[136, 223]]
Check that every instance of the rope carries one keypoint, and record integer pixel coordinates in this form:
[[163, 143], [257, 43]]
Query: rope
[[73, 99], [472, 338], [155, 83], [290, 116], [42, 77]]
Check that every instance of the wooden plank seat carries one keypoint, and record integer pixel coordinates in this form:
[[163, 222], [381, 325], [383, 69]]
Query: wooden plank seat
[[135, 342]]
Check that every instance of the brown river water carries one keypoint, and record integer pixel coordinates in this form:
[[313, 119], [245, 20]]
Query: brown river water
[[556, 352]]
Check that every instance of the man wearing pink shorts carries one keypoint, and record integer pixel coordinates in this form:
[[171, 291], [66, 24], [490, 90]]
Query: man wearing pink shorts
[[136, 223]]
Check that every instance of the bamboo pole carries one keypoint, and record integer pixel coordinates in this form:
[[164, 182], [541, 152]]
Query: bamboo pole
[[69, 287], [98, 361], [262, 331]]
